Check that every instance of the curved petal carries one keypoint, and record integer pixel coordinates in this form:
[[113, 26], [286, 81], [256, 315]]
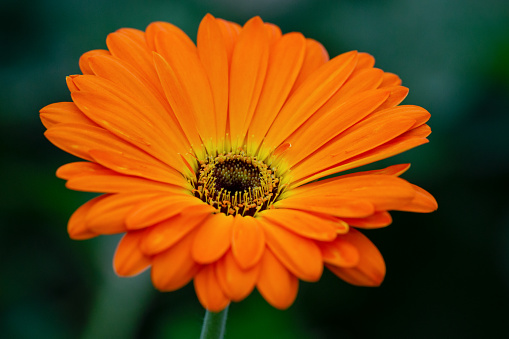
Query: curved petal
[[128, 260], [276, 284], [147, 94], [237, 283], [330, 121], [304, 224], [80, 139], [209, 291], [129, 166], [85, 58], [377, 220], [385, 192], [180, 102], [248, 241], [339, 207], [360, 138], [364, 80], [340, 253], [398, 145], [213, 238], [63, 112], [213, 53], [174, 268], [230, 32], [423, 202], [108, 215], [158, 27], [365, 61], [92, 177], [310, 96], [390, 79], [186, 86], [370, 270], [395, 170], [285, 62], [77, 225], [301, 256], [247, 74], [162, 236], [131, 51], [159, 208], [316, 55]]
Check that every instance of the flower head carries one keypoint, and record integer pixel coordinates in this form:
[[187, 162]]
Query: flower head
[[208, 156]]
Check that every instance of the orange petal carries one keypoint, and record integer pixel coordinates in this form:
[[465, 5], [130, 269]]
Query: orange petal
[[284, 64], [63, 112], [316, 56], [364, 80], [213, 238], [397, 95], [135, 34], [247, 74], [122, 119], [108, 215], [365, 61], [77, 226], [128, 259], [301, 256], [213, 55], [74, 169], [304, 224], [377, 220], [155, 28], [358, 139], [237, 283], [329, 122], [398, 145], [174, 268], [339, 207], [385, 192], [147, 94], [390, 79], [248, 241], [131, 51], [278, 286], [188, 90], [370, 270], [79, 139], [129, 166], [180, 101], [308, 98], [423, 202], [84, 60], [274, 32], [69, 80], [230, 32], [209, 291], [340, 253], [169, 232], [108, 181], [395, 170], [159, 208]]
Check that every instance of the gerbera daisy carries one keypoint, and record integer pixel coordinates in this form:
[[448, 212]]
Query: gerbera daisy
[[209, 157]]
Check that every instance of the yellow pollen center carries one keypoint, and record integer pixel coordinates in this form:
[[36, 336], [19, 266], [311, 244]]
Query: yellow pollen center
[[236, 184]]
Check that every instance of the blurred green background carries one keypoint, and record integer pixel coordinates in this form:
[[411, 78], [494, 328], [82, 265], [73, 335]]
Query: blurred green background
[[448, 272]]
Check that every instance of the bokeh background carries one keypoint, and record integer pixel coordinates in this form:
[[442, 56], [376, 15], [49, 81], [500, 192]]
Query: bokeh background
[[448, 272]]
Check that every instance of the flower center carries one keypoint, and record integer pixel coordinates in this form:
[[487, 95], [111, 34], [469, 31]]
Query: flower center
[[236, 184]]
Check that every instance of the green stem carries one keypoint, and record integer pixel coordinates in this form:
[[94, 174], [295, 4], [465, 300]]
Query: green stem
[[214, 324]]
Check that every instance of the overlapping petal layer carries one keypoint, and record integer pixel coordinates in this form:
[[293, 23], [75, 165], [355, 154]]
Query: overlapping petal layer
[[154, 109]]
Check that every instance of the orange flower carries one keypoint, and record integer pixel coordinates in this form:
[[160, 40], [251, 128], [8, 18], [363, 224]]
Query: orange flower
[[209, 156]]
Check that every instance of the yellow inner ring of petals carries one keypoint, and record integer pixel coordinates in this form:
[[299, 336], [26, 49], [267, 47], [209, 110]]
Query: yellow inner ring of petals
[[236, 184]]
